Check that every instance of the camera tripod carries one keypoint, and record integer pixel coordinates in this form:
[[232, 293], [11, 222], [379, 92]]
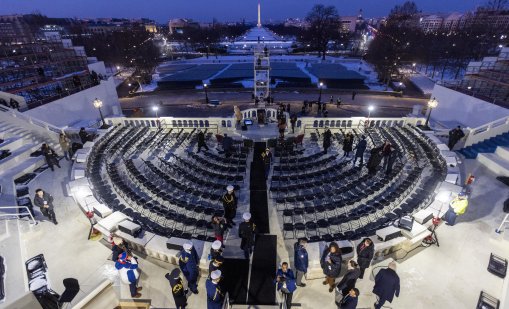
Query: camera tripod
[[432, 239]]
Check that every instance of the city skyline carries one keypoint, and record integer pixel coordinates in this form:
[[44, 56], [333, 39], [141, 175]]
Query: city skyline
[[223, 10]]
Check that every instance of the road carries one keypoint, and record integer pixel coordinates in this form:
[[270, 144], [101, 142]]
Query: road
[[191, 103]]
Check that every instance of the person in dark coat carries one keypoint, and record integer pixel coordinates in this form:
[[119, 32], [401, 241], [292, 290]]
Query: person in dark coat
[[230, 201], [360, 148], [331, 264], [216, 249], [386, 285], [201, 141], [354, 93], [350, 300], [285, 281], [177, 288], [216, 264], [227, 145], [219, 227], [386, 153], [365, 253], [188, 263], [44, 201], [348, 144], [247, 232], [454, 136], [327, 139], [293, 121], [215, 293], [349, 279], [83, 135], [391, 160], [374, 160], [301, 260], [267, 160], [50, 155]]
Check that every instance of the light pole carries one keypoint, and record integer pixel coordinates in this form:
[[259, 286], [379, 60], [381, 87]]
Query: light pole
[[431, 105], [98, 104], [155, 109], [206, 93], [320, 86], [413, 66], [370, 109]]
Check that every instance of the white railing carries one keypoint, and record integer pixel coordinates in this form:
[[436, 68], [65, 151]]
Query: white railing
[[50, 130], [18, 215], [306, 123], [484, 132]]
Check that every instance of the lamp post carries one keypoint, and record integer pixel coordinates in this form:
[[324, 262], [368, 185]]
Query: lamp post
[[320, 86], [155, 109], [206, 93], [370, 109], [431, 105], [98, 104], [413, 67]]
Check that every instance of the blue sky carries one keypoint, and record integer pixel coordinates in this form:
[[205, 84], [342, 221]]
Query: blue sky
[[224, 10]]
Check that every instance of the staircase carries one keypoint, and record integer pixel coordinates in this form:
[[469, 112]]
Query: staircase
[[497, 162], [488, 146]]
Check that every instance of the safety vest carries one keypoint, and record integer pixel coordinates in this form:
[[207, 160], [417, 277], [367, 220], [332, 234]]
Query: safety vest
[[459, 205]]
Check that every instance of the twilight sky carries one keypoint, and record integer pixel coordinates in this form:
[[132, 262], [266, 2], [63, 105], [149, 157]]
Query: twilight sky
[[223, 10]]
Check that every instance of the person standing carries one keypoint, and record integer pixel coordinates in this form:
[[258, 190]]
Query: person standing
[[219, 226], [386, 153], [128, 269], [65, 144], [293, 121], [247, 232], [349, 279], [331, 101], [201, 141], [331, 264], [338, 102], [215, 294], [457, 207], [177, 288], [44, 201], [350, 300], [374, 160], [348, 144], [454, 136], [288, 108], [327, 139], [216, 263], [83, 135], [285, 282], [230, 205], [216, 249], [50, 155], [386, 285], [391, 160], [365, 253], [267, 160], [282, 127], [188, 263], [227, 145], [301, 260], [354, 93], [360, 148]]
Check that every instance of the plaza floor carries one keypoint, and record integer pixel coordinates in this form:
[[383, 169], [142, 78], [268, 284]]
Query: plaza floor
[[449, 276]]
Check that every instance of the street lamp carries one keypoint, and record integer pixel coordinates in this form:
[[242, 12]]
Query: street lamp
[[98, 104], [320, 86], [413, 66], [431, 105], [370, 109], [155, 109], [206, 93]]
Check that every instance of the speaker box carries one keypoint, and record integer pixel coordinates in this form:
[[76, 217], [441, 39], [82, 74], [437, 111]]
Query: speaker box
[[406, 223], [130, 228], [497, 266], [388, 233], [174, 244], [487, 301]]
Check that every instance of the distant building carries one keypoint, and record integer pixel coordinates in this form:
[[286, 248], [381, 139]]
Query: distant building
[[179, 24], [14, 30], [152, 28], [296, 22], [431, 23]]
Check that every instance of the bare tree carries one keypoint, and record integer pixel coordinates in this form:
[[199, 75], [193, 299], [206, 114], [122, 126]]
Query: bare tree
[[497, 5], [324, 26]]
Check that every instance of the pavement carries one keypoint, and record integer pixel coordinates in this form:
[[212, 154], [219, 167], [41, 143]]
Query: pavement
[[192, 103]]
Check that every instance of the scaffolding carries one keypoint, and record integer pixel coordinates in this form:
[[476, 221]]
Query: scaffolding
[[261, 78]]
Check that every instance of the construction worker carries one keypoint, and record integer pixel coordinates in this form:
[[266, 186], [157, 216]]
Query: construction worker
[[457, 207]]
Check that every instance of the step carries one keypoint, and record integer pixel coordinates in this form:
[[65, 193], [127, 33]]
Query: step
[[503, 152], [12, 143], [18, 156], [8, 196], [16, 284], [494, 163]]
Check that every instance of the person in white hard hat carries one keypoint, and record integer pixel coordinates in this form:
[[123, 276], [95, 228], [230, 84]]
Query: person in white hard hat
[[188, 262], [247, 231], [230, 205], [215, 294]]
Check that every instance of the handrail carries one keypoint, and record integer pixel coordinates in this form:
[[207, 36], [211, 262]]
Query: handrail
[[18, 214], [226, 302], [486, 131]]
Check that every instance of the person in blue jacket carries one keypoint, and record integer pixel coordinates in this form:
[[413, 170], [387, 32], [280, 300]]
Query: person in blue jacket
[[350, 300], [215, 294], [285, 281], [386, 285], [301, 261], [188, 262]]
